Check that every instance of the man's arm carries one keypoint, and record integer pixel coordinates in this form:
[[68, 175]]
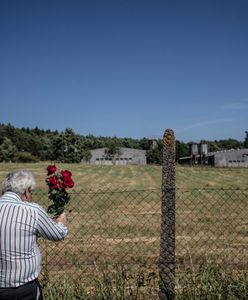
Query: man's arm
[[49, 229]]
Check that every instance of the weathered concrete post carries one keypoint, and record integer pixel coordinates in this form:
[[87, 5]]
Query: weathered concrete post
[[167, 236]]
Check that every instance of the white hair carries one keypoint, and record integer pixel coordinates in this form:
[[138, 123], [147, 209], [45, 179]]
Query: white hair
[[18, 182]]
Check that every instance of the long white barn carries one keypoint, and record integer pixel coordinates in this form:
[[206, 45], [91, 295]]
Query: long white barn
[[224, 158], [230, 158], [125, 156]]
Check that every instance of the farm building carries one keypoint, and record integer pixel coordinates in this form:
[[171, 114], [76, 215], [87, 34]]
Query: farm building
[[231, 158], [124, 156], [225, 158]]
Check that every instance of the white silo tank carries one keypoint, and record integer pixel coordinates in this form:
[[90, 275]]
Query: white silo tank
[[194, 149], [204, 148]]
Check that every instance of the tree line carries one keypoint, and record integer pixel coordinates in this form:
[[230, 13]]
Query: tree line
[[34, 144]]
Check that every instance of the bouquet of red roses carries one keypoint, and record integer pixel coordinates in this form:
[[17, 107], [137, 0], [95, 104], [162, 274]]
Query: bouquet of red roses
[[58, 181]]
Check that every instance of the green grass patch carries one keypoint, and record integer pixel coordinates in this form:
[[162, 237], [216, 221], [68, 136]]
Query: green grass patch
[[120, 283]]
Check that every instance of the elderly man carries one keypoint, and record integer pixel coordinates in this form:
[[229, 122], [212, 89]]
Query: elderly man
[[21, 221]]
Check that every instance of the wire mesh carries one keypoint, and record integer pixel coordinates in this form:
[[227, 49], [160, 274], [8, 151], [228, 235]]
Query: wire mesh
[[106, 227], [212, 226], [123, 228]]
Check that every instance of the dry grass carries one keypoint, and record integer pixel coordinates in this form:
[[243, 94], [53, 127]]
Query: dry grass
[[107, 226], [89, 177]]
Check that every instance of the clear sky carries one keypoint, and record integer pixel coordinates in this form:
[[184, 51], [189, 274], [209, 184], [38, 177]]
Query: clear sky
[[126, 68]]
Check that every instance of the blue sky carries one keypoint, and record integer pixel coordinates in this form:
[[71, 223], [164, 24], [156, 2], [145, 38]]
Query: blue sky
[[126, 68]]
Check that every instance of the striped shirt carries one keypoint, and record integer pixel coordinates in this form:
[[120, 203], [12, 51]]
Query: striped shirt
[[20, 224]]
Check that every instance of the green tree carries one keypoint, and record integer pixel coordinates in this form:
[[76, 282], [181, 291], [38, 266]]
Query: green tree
[[112, 149], [213, 146], [182, 150], [229, 144], [47, 149], [25, 157], [155, 156], [67, 147], [144, 144], [58, 148], [8, 150], [86, 155]]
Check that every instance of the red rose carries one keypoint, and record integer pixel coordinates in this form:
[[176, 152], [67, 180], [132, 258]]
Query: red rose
[[53, 182], [58, 181], [66, 173], [62, 185], [51, 169], [68, 182]]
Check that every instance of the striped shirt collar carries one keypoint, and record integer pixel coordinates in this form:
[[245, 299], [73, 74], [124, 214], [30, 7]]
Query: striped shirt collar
[[11, 196]]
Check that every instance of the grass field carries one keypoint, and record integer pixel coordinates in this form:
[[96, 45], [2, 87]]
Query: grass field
[[89, 177], [115, 219]]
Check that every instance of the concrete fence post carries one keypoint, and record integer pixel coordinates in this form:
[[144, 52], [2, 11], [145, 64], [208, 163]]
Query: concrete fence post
[[168, 204]]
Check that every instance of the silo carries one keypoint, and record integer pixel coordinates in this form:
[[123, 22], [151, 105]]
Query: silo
[[194, 149], [204, 149]]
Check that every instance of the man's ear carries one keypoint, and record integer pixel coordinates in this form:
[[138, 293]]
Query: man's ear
[[24, 196]]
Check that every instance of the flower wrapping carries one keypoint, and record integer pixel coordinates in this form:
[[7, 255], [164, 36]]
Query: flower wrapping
[[58, 181]]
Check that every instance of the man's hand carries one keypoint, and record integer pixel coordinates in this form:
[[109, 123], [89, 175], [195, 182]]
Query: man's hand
[[62, 219]]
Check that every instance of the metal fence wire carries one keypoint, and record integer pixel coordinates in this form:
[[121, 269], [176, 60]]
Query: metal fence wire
[[123, 228], [212, 225]]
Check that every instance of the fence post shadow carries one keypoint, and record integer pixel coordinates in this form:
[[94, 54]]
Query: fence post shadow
[[167, 234]]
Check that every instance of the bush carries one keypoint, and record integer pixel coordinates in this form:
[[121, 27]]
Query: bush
[[26, 157]]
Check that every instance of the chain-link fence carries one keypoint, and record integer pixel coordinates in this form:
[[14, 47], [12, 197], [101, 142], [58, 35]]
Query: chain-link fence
[[212, 226], [123, 228], [106, 227]]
